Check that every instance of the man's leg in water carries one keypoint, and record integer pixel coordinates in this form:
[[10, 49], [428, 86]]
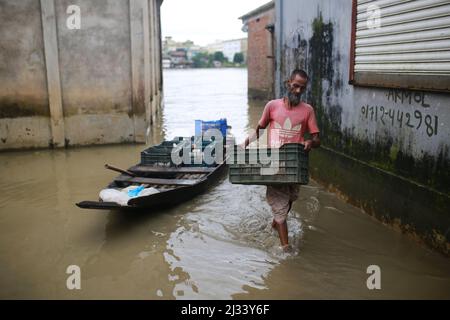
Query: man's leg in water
[[283, 234], [280, 199], [274, 223]]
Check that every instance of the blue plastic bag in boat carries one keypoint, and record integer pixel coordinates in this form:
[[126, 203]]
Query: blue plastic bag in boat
[[135, 192]]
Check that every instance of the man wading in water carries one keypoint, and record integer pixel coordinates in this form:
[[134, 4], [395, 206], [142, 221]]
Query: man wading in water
[[288, 120]]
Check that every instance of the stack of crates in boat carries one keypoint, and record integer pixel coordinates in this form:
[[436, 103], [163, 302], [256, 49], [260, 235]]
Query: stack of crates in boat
[[157, 155], [163, 154]]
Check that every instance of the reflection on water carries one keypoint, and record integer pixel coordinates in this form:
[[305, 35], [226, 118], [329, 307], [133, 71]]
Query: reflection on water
[[218, 245], [234, 241]]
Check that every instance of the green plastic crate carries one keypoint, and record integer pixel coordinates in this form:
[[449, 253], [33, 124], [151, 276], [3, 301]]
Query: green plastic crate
[[162, 155], [291, 167], [156, 155]]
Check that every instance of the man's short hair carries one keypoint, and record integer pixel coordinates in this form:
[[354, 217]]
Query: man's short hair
[[300, 72]]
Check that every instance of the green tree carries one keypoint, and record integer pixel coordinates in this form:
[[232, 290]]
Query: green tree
[[218, 56], [201, 60], [238, 57]]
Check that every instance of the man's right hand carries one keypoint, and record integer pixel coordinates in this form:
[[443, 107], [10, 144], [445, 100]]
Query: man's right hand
[[254, 136], [244, 144]]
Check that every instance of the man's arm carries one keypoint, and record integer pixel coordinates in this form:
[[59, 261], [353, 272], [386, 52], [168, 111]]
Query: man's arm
[[313, 143], [253, 136]]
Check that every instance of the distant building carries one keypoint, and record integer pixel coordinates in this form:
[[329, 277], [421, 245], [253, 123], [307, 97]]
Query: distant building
[[179, 58], [229, 48], [168, 45], [260, 57], [189, 49], [214, 47]]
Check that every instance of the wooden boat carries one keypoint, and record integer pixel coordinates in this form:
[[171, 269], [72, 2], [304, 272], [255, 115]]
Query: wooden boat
[[176, 184]]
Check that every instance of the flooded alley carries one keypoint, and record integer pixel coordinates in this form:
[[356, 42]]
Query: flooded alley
[[219, 245]]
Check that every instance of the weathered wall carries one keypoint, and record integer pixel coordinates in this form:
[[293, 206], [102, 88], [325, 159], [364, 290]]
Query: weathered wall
[[95, 72], [393, 144], [260, 75], [23, 84], [105, 75]]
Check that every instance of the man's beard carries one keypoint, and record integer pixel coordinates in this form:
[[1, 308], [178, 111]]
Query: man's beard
[[294, 99]]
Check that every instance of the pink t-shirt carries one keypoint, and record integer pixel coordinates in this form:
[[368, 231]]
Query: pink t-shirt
[[288, 125]]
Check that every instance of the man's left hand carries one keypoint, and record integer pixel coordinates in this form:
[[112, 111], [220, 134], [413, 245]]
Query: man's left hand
[[308, 145]]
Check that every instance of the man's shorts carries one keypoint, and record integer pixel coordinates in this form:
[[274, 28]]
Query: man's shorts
[[278, 197]]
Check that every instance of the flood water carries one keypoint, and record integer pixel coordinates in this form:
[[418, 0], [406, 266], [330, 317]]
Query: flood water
[[219, 245]]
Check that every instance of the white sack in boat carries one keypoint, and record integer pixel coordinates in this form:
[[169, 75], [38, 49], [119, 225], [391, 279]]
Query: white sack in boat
[[113, 195]]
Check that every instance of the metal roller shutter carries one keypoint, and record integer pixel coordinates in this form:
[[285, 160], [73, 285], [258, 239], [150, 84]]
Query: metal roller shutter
[[409, 48]]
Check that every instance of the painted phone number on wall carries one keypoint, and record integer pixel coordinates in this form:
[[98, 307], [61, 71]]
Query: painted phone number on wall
[[413, 120]]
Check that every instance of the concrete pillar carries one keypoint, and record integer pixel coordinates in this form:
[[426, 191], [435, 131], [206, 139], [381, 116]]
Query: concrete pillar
[[150, 60], [152, 7], [158, 38], [53, 76], [147, 78], [138, 69]]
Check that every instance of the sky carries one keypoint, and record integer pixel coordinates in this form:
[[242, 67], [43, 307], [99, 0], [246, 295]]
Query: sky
[[205, 21]]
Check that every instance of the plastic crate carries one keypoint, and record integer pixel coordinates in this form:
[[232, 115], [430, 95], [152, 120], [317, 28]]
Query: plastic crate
[[195, 142], [204, 143], [291, 167], [170, 143], [161, 155], [157, 155], [202, 126]]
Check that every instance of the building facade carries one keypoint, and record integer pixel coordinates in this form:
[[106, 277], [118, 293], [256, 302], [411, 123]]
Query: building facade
[[259, 24], [179, 54], [78, 72], [229, 48], [380, 85]]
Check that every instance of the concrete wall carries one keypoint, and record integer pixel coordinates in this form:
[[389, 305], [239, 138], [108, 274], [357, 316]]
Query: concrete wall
[[24, 111], [99, 84], [260, 67], [386, 150]]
